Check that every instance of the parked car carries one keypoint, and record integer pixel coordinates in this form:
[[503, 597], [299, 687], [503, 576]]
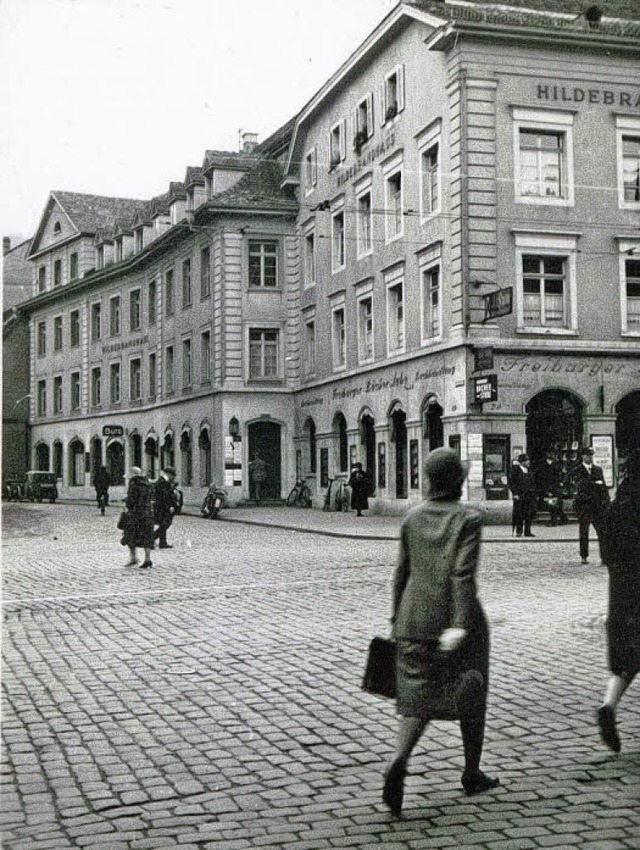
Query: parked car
[[41, 485]]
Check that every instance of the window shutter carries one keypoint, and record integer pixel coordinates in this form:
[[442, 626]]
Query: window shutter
[[383, 103], [400, 78], [343, 139], [354, 123], [370, 114], [314, 166]]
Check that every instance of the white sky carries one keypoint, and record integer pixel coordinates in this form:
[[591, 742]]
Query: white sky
[[117, 97]]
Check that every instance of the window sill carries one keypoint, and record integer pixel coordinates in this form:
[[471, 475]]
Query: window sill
[[430, 340], [541, 201], [397, 236], [365, 254], [338, 269], [632, 334], [425, 219], [252, 287], [547, 331], [266, 382]]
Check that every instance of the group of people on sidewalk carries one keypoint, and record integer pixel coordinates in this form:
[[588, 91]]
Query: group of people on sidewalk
[[590, 501], [440, 630]]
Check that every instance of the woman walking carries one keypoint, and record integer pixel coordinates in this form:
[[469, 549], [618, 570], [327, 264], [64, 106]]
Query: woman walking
[[620, 547], [138, 531], [441, 631]]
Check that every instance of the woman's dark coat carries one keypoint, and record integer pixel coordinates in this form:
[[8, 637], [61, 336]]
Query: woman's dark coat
[[139, 528], [360, 483], [435, 589], [620, 548]]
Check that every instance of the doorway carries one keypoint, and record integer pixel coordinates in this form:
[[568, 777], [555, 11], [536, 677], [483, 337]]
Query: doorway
[[554, 423], [368, 440], [265, 440], [399, 437]]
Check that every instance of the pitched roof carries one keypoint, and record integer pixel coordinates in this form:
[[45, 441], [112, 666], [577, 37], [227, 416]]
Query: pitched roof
[[91, 212], [192, 175], [227, 159], [258, 188]]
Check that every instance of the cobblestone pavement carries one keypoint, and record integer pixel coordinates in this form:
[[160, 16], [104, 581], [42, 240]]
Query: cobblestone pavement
[[213, 701]]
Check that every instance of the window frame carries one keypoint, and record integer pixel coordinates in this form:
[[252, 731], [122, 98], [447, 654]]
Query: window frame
[[205, 279], [309, 352], [339, 336], [75, 329], [41, 397], [364, 246], [42, 279], [115, 382], [57, 273], [311, 170], [135, 309], [338, 213], [310, 265], [75, 390], [74, 266], [187, 294], [629, 250], [432, 138], [264, 328], [115, 315], [57, 395], [391, 214], [205, 357], [169, 292], [399, 100], [362, 297], [544, 243], [96, 386], [169, 369], [41, 338], [626, 126], [152, 301], [263, 256], [96, 326], [135, 378], [337, 144], [187, 363], [551, 122], [152, 375], [58, 333], [391, 286]]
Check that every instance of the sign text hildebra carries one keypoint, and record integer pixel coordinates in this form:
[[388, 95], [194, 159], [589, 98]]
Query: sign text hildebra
[[575, 94]]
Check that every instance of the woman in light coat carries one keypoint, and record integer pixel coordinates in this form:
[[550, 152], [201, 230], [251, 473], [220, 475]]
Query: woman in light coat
[[441, 631]]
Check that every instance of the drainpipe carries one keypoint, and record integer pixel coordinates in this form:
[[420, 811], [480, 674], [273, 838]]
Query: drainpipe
[[464, 205]]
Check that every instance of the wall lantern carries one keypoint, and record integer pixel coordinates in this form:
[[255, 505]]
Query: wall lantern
[[234, 428]]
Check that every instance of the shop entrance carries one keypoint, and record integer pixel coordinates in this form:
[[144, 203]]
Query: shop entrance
[[368, 439], [399, 437], [628, 425], [554, 423], [264, 440]]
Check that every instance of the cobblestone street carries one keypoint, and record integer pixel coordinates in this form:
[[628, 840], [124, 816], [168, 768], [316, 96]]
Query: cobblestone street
[[214, 701]]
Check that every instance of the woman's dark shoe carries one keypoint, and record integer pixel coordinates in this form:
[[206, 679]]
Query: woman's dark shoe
[[607, 725], [145, 565], [393, 791], [477, 783]]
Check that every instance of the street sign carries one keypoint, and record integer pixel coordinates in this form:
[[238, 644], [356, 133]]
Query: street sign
[[112, 431], [499, 303], [485, 389]]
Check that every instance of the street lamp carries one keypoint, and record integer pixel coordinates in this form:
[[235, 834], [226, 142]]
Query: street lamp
[[234, 428]]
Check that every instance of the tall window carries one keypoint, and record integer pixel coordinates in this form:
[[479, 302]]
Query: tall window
[[74, 328], [263, 354], [114, 316], [114, 383], [42, 339], [153, 375], [431, 318], [311, 169], [364, 233], [186, 283], [168, 293], [73, 266], [57, 333], [394, 205], [263, 263], [541, 164], [57, 273], [75, 391], [41, 398], [544, 288], [96, 386], [135, 310], [169, 383], [42, 278], [139, 239], [363, 122], [365, 329], [205, 357], [100, 257], [96, 322], [135, 379], [205, 273], [631, 167], [57, 394], [337, 144], [395, 318], [393, 96], [430, 180], [310, 259], [186, 363], [119, 249], [153, 299], [310, 347], [337, 241], [338, 338], [632, 282]]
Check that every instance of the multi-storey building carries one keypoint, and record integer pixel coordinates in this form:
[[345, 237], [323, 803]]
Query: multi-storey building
[[469, 222], [443, 247]]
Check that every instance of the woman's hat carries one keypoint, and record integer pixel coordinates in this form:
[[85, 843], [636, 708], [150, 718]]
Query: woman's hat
[[445, 472], [135, 470]]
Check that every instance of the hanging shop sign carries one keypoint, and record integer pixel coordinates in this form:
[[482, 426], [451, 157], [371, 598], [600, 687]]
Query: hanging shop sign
[[112, 431], [485, 389], [498, 303]]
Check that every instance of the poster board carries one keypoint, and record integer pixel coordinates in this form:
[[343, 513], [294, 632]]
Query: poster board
[[602, 445]]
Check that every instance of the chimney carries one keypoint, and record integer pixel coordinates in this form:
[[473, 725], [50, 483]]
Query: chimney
[[249, 142], [6, 244]]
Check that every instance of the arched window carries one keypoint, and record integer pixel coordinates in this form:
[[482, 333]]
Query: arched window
[[309, 430], [186, 458], [57, 458], [115, 462], [168, 451], [42, 457], [151, 453], [204, 444], [340, 430], [76, 463]]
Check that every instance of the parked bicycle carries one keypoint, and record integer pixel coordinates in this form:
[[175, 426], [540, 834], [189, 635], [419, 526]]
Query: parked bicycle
[[213, 501], [339, 501], [300, 495]]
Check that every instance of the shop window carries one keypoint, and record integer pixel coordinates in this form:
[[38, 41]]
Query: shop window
[[186, 458], [543, 155], [264, 354], [340, 432], [204, 444], [263, 263], [57, 333], [57, 458]]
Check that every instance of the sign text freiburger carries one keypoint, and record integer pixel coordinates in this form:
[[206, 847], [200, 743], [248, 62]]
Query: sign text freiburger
[[577, 94], [367, 157]]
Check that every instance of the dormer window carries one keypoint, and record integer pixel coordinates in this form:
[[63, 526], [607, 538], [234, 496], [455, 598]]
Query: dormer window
[[139, 238], [119, 252], [100, 257]]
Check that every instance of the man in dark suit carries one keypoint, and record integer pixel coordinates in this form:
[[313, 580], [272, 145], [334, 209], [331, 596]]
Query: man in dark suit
[[591, 499], [523, 490], [550, 490], [164, 507]]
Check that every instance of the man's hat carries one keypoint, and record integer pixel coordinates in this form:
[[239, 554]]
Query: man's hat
[[587, 451], [445, 472], [522, 458], [170, 470]]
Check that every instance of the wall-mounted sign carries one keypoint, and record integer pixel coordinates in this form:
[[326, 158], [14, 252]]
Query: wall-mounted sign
[[482, 359], [112, 431], [485, 389], [602, 445], [498, 303]]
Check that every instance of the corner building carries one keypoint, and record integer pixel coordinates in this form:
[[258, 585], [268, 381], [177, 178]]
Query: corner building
[[469, 187]]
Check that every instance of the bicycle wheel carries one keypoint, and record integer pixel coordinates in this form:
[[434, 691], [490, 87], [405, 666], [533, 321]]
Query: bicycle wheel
[[304, 499], [292, 497]]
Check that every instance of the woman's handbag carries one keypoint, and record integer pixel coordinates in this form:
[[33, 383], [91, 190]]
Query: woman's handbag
[[380, 671]]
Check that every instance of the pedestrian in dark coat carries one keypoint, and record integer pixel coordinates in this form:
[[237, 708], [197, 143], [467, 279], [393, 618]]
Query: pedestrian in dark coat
[[439, 624], [550, 489], [138, 530], [165, 506], [523, 490], [620, 546], [258, 473], [591, 499], [360, 484], [101, 481]]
